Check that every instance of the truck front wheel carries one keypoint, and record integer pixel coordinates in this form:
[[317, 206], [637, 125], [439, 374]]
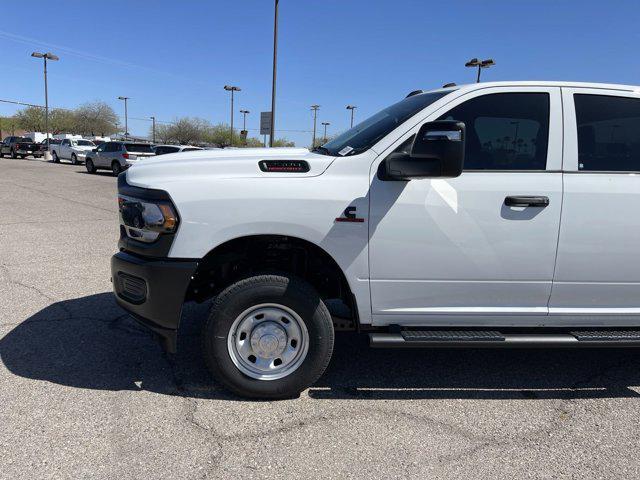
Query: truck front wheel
[[268, 336]]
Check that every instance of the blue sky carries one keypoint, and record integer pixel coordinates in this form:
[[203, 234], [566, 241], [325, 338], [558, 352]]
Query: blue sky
[[173, 57]]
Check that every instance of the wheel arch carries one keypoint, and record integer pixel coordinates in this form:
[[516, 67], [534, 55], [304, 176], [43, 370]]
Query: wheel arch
[[247, 255]]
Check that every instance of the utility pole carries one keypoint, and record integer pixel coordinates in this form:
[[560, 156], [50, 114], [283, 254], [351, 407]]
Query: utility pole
[[231, 88], [153, 128], [314, 109], [126, 117], [54, 58], [474, 62], [352, 108], [325, 130], [273, 80]]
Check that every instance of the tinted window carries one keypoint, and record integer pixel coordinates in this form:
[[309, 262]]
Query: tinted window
[[112, 147], [138, 147], [608, 133], [85, 143], [366, 134], [505, 131], [190, 149]]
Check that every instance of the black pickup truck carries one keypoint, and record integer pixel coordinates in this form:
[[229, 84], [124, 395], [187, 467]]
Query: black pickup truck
[[19, 147]]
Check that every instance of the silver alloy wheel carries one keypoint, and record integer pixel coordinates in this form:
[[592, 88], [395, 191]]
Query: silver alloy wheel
[[268, 341]]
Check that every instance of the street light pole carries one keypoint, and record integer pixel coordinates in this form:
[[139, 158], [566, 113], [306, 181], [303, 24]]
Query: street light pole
[[314, 109], [244, 119], [273, 80], [126, 117], [153, 128], [45, 57], [474, 62], [325, 130], [352, 108], [231, 88]]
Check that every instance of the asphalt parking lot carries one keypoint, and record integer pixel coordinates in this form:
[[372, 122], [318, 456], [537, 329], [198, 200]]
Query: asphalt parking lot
[[86, 393]]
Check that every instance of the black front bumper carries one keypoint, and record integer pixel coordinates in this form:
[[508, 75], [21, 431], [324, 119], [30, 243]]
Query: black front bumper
[[153, 291]]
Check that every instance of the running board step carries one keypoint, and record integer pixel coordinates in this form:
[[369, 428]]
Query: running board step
[[496, 339]]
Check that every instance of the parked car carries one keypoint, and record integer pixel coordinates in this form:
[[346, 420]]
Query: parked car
[[117, 156], [163, 149], [487, 215], [71, 149], [19, 147], [51, 141]]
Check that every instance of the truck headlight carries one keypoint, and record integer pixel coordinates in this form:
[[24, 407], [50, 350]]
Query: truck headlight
[[145, 220]]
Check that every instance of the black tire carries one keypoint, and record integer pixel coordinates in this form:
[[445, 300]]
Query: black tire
[[74, 159], [287, 291], [116, 168], [54, 157], [1, 155], [88, 164]]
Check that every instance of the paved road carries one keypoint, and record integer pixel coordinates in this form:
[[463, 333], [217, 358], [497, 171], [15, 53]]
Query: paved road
[[85, 393]]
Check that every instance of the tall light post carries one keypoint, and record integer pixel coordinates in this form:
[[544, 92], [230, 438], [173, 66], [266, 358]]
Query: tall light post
[[352, 108], [244, 118], [153, 128], [474, 62], [54, 58], [273, 79], [126, 117], [231, 88], [314, 109], [325, 130]]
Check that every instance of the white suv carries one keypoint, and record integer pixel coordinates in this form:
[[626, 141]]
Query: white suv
[[486, 215]]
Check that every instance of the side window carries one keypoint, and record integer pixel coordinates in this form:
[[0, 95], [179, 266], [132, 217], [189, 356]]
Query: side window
[[112, 147], [608, 133], [505, 131]]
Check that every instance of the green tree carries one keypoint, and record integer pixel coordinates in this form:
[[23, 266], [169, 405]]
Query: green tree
[[62, 121], [31, 119], [283, 142], [8, 126], [95, 118]]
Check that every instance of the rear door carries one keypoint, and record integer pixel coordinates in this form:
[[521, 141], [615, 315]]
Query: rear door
[[598, 266], [451, 251]]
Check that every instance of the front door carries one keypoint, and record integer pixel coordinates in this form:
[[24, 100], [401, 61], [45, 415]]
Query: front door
[[453, 250]]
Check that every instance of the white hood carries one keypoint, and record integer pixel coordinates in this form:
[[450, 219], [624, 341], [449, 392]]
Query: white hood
[[222, 163]]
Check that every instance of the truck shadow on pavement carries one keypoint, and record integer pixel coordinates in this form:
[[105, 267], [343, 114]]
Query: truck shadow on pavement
[[91, 343]]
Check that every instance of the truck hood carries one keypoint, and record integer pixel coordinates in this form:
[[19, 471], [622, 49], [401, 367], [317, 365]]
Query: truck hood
[[222, 163], [82, 148]]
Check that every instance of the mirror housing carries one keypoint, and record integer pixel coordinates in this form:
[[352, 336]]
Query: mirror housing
[[437, 152], [94, 149]]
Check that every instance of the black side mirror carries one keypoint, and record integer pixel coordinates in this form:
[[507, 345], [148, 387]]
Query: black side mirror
[[437, 151], [94, 149]]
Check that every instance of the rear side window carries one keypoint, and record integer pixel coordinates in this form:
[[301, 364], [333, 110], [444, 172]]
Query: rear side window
[[190, 149], [608, 133], [138, 147], [505, 131]]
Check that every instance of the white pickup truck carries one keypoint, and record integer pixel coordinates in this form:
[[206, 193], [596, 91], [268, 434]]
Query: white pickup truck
[[485, 215], [71, 149]]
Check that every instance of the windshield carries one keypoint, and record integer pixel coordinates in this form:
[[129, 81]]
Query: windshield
[[366, 134], [85, 143]]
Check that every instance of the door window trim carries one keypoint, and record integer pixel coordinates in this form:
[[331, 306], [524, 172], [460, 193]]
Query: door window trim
[[555, 145], [570, 145]]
